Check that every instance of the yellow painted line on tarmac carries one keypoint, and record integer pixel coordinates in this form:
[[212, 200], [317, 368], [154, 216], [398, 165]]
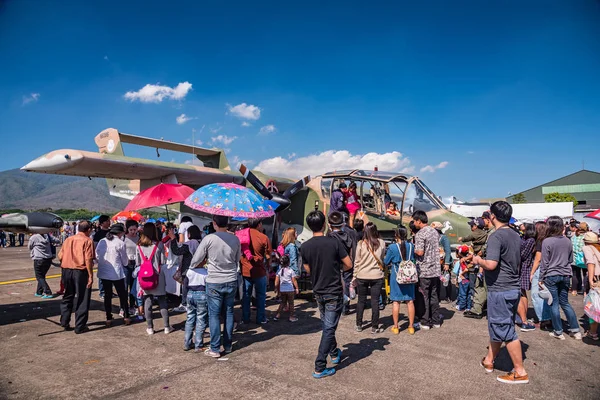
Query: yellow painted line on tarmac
[[30, 279]]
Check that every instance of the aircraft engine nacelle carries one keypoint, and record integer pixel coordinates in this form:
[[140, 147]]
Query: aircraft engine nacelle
[[33, 222]]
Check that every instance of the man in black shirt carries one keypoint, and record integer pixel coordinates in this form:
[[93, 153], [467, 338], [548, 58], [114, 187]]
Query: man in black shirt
[[348, 239], [323, 258], [104, 224]]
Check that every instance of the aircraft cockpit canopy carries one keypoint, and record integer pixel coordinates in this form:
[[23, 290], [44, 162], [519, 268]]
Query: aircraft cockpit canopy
[[378, 189]]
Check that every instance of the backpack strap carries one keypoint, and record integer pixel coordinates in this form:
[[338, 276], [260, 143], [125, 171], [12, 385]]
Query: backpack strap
[[144, 259], [399, 251]]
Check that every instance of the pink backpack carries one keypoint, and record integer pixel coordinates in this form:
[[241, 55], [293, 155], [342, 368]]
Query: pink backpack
[[147, 276]]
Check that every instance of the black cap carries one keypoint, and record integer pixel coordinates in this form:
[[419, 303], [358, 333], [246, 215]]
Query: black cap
[[477, 222], [486, 215], [117, 228]]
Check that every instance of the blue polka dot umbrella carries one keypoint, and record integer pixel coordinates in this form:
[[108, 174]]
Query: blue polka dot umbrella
[[230, 200]]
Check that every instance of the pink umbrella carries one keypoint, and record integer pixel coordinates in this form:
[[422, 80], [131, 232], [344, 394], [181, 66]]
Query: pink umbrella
[[160, 195], [594, 214]]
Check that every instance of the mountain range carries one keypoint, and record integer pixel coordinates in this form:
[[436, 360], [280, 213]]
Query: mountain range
[[31, 191]]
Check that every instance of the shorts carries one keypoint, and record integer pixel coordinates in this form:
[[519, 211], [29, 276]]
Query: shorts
[[501, 311]]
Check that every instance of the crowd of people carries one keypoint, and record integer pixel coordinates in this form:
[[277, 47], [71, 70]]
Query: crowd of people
[[499, 266]]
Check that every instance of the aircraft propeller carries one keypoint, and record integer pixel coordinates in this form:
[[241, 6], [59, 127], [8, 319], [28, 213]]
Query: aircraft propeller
[[282, 199]]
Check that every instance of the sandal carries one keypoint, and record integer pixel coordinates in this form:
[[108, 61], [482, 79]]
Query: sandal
[[395, 330], [593, 336]]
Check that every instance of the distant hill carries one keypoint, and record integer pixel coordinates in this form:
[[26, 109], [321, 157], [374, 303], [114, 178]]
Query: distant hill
[[31, 191]]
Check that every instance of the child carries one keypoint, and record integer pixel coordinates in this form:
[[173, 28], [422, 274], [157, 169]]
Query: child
[[463, 302], [286, 285], [197, 309]]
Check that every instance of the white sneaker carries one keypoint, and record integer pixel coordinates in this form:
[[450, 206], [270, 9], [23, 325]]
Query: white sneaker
[[559, 337], [121, 313], [169, 330], [437, 326], [576, 335], [150, 331]]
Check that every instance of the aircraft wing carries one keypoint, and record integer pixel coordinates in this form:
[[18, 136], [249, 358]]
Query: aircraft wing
[[84, 163]]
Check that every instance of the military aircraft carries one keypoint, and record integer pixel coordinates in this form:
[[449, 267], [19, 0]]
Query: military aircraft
[[33, 222], [126, 176]]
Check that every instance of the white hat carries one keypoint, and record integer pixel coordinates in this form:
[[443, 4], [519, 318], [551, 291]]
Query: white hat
[[545, 294]]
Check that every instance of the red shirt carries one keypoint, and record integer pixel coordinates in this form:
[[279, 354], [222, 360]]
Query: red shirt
[[260, 247]]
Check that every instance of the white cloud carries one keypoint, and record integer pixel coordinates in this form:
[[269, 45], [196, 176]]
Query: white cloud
[[32, 98], [291, 155], [182, 119], [236, 162], [215, 130], [334, 160], [246, 124], [433, 168], [245, 111], [267, 129], [226, 140], [157, 93], [199, 142]]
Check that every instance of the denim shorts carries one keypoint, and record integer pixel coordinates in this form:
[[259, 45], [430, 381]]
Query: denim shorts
[[501, 311]]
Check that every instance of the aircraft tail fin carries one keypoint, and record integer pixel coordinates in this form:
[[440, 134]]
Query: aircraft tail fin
[[109, 142]]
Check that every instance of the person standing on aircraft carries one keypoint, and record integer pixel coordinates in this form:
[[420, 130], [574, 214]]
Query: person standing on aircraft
[[77, 262], [323, 258], [40, 247], [352, 202], [104, 224], [254, 272], [338, 199]]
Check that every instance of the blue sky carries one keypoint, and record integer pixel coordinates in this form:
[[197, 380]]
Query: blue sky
[[480, 99]]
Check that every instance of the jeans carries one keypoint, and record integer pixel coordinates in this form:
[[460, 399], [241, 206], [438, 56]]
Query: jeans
[[372, 287], [430, 288], [184, 289], [330, 308], [465, 298], [41, 267], [261, 298], [197, 316], [129, 281], [100, 288], [164, 312], [218, 294], [75, 281], [541, 307], [559, 286], [121, 291]]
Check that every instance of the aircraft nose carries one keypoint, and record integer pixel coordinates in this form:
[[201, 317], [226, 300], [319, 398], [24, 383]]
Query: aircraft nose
[[55, 161]]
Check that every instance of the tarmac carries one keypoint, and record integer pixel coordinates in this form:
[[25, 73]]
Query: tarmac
[[38, 360]]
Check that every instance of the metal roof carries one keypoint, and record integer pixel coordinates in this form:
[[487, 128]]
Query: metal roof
[[382, 176]]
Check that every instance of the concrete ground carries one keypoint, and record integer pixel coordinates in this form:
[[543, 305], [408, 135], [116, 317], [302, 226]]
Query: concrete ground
[[39, 360]]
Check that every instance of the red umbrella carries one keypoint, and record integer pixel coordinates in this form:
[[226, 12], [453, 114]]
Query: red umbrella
[[594, 214], [159, 195], [125, 215]]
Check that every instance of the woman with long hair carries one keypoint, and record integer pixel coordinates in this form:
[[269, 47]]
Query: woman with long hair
[[352, 202], [527, 257], [555, 272], [591, 253], [112, 261], [288, 244], [401, 250], [147, 245], [368, 272]]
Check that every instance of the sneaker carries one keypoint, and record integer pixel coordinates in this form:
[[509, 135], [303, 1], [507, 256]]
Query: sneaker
[[293, 319], [121, 313], [376, 330], [276, 318], [169, 330], [336, 360], [38, 295], [266, 321], [325, 373], [358, 328], [425, 327], [576, 335], [559, 337], [527, 327], [48, 296], [489, 368], [150, 331], [417, 325], [140, 318], [212, 354], [228, 351], [513, 379], [436, 326], [84, 330], [180, 309]]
